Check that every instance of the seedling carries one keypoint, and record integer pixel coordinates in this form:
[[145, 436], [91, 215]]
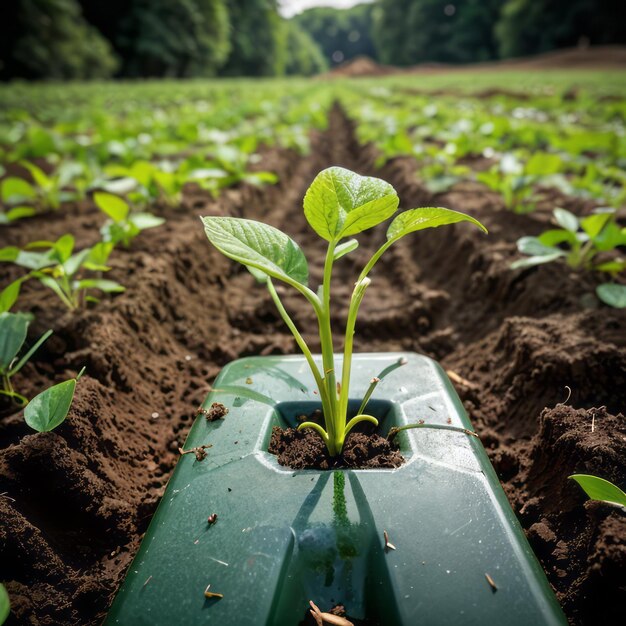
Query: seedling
[[337, 205], [49, 409], [579, 242], [600, 489], [123, 225], [61, 270], [5, 604], [13, 330]]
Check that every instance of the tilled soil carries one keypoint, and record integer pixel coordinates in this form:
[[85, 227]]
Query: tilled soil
[[543, 367]]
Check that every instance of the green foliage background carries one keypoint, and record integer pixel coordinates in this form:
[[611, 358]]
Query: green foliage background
[[90, 39]]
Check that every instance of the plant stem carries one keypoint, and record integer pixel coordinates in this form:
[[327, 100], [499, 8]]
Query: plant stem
[[394, 431]]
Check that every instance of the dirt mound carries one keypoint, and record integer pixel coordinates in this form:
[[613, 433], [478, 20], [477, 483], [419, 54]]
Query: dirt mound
[[360, 66], [75, 503]]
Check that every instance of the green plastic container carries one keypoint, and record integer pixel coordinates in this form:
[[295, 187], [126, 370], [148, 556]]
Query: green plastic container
[[285, 537]]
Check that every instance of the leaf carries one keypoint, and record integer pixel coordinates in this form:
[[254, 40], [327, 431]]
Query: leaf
[[532, 246], [612, 294], [429, 217], [19, 212], [552, 238], [543, 164], [535, 260], [600, 489], [344, 248], [99, 255], [9, 295], [17, 190], [261, 246], [5, 604], [63, 247], [116, 208], [108, 286], [566, 220], [38, 174], [145, 220], [49, 408], [340, 203], [13, 329], [73, 264], [9, 253], [593, 224]]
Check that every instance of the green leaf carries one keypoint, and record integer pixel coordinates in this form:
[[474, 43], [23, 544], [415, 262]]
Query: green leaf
[[145, 220], [593, 224], [116, 208], [612, 267], [99, 255], [258, 245], [340, 203], [554, 237], [600, 489], [532, 246], [428, 217], [63, 247], [566, 220], [49, 408], [9, 295], [9, 253], [543, 164], [108, 286], [19, 212], [536, 260], [5, 604], [13, 329], [17, 190], [612, 294], [344, 248], [38, 174]]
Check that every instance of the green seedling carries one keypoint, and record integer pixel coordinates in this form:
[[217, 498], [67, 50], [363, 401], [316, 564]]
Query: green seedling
[[13, 330], [49, 408], [61, 270], [123, 225], [600, 489], [5, 604], [337, 205], [579, 242]]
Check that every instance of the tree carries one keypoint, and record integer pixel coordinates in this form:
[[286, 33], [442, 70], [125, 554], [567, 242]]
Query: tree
[[533, 26], [342, 34], [51, 39], [256, 39], [302, 55]]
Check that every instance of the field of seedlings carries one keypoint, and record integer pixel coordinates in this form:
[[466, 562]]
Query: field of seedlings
[[102, 187]]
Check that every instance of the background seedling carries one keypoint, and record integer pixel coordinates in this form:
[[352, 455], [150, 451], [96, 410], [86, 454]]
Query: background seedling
[[5, 604], [600, 489], [337, 205], [13, 330]]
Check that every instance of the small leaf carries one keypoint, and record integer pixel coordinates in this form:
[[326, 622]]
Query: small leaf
[[73, 264], [593, 224], [19, 212], [145, 220], [429, 217], [9, 295], [554, 237], [40, 177], [344, 248], [116, 208], [536, 260], [49, 408], [17, 190], [566, 220], [5, 604], [543, 164], [340, 203], [612, 294], [63, 247], [10, 253], [261, 246], [532, 246], [108, 286], [13, 329], [600, 489]]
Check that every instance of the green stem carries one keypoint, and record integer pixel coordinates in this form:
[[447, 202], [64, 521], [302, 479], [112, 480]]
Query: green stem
[[394, 431]]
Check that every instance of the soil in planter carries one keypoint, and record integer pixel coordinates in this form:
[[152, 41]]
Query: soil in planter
[[75, 503]]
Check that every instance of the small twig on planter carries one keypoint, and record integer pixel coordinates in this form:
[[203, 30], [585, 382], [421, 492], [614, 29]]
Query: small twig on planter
[[569, 394], [329, 618], [492, 584], [388, 544], [200, 451], [460, 380], [421, 424], [210, 594], [147, 580]]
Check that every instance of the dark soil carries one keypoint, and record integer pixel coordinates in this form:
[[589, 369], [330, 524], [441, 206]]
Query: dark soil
[[74, 503]]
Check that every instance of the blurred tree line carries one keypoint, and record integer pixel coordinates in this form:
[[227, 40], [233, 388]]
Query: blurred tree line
[[179, 38]]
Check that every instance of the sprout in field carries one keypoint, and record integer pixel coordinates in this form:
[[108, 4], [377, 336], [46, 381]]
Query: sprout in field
[[337, 205]]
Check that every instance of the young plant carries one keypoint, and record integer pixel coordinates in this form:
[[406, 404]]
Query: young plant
[[61, 270], [337, 205], [600, 489], [579, 242], [5, 604], [13, 330], [123, 225]]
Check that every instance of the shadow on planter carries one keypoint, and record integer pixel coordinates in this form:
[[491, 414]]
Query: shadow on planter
[[285, 537]]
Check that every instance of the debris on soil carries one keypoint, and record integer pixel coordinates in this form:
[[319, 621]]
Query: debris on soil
[[492, 584], [211, 594], [212, 518], [200, 451], [216, 411], [388, 544]]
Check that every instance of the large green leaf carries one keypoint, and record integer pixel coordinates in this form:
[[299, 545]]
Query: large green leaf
[[258, 245], [5, 604], [340, 203], [13, 329], [600, 489], [612, 294], [428, 217], [49, 408], [17, 190], [116, 208], [566, 220]]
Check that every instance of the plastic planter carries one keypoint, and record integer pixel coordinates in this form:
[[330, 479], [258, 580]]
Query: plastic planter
[[285, 537]]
